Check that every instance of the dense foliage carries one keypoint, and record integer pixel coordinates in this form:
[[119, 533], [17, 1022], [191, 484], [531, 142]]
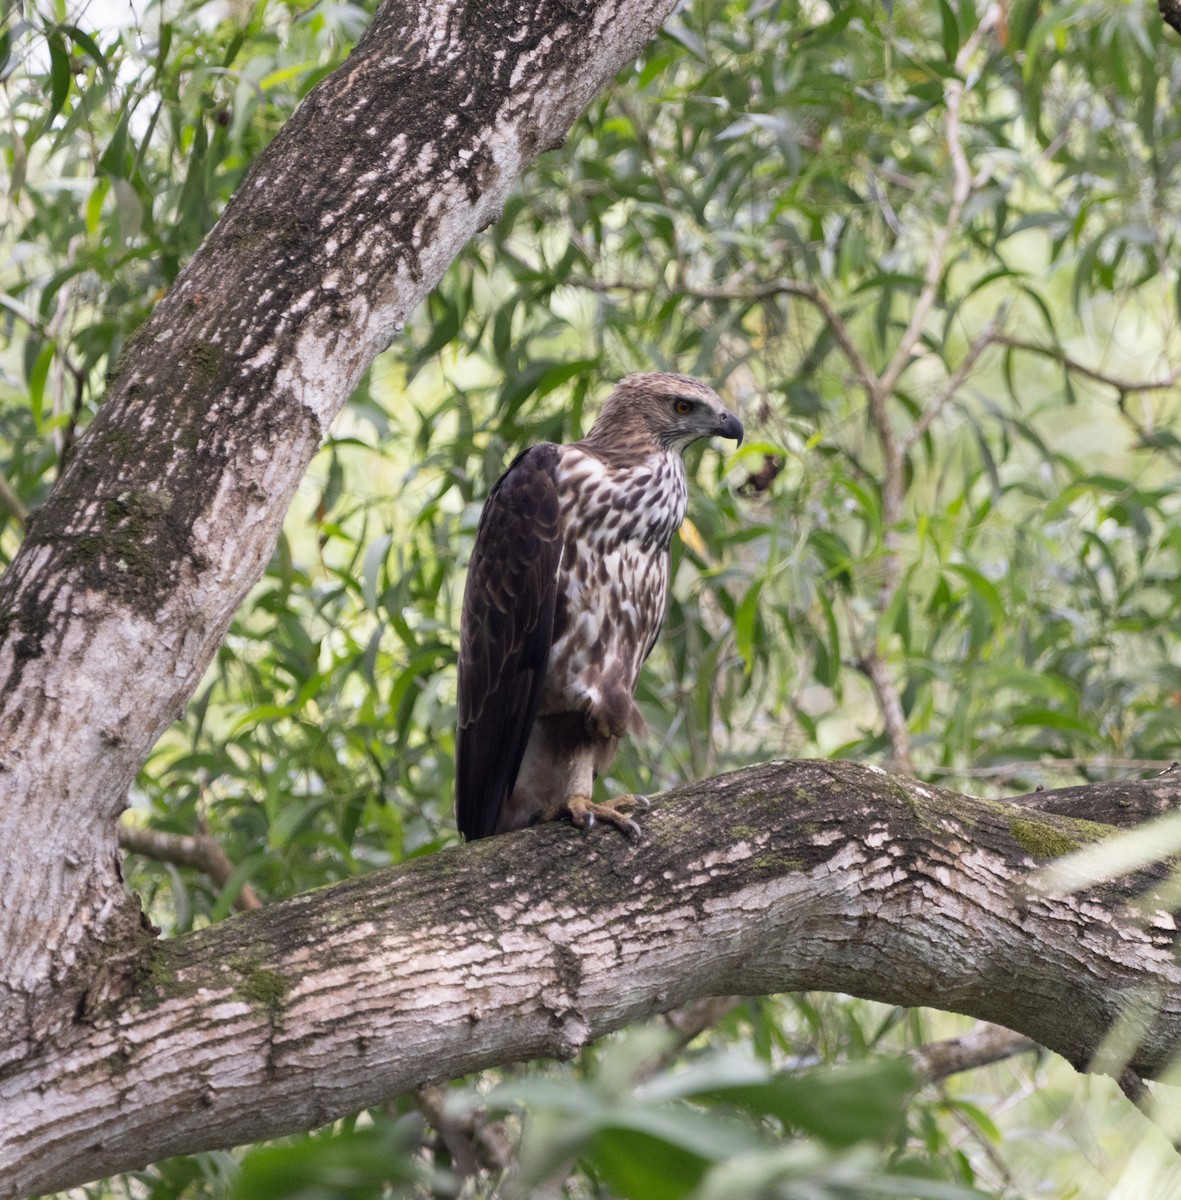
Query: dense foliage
[[929, 250]]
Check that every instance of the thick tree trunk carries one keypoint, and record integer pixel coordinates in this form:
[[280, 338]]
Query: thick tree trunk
[[782, 877], [168, 512]]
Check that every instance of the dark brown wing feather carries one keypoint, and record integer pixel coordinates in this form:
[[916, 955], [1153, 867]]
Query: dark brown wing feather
[[505, 635]]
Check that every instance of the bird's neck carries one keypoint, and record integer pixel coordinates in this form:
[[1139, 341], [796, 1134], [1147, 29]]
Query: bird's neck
[[622, 441]]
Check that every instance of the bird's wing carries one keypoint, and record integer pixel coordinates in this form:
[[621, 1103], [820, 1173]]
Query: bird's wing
[[505, 635]]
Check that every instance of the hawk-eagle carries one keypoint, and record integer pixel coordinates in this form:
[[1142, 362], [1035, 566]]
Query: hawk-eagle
[[565, 596]]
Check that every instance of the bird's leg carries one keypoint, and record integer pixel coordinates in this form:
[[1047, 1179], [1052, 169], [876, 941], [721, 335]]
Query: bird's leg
[[614, 714], [584, 812]]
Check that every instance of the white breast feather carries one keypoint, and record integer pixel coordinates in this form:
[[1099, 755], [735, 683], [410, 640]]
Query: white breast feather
[[605, 574]]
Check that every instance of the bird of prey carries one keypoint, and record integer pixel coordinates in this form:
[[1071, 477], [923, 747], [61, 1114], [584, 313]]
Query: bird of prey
[[565, 595]]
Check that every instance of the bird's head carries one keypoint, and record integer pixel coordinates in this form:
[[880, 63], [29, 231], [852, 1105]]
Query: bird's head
[[671, 411]]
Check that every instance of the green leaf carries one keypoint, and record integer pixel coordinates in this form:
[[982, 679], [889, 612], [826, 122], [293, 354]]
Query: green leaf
[[640, 1166], [841, 1106], [745, 624], [89, 46], [37, 376], [114, 159], [353, 1164], [371, 569], [59, 74], [951, 31]]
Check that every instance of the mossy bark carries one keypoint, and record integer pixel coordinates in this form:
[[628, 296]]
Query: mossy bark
[[789, 876]]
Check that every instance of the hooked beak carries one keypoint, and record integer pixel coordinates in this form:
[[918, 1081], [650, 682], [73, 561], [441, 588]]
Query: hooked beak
[[729, 426]]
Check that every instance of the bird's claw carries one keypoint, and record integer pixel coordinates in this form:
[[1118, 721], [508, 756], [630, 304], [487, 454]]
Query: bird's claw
[[583, 813]]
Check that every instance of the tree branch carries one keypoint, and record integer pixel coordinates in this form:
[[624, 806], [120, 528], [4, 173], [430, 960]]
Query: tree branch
[[980, 1047], [1123, 803], [985, 338], [198, 851], [889, 699], [1123, 386], [785, 877]]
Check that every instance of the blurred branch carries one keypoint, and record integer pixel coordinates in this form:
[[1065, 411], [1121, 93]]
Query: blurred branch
[[12, 501], [981, 1046], [814, 296], [688, 1023], [199, 851], [1138, 1091], [473, 1142], [985, 338], [890, 705], [69, 434], [1123, 386]]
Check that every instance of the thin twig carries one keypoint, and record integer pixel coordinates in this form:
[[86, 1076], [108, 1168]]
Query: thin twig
[[1123, 386], [893, 714], [1137, 1091], [981, 1046], [69, 435], [473, 1143], [804, 291], [199, 851], [985, 338], [688, 1023]]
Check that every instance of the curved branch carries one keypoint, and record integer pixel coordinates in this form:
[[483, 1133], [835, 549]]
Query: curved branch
[[199, 851], [752, 293], [783, 877], [979, 1047]]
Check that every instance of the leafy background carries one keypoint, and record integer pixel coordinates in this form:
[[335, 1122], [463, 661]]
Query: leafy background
[[929, 251]]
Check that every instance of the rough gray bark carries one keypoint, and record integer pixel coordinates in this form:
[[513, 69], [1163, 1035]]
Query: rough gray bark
[[131, 571], [783, 877]]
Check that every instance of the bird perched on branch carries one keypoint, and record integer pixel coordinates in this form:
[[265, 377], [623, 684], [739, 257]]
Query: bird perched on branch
[[565, 595]]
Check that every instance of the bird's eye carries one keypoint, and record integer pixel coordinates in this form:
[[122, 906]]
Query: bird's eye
[[682, 407]]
